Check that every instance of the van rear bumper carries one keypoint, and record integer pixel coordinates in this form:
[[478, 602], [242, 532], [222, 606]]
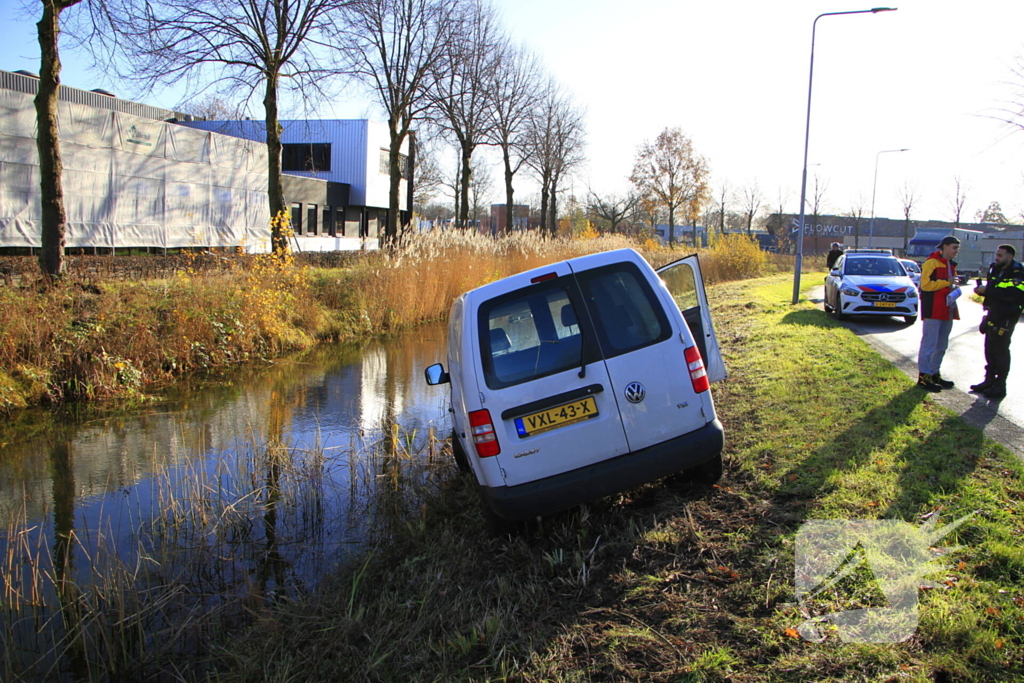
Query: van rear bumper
[[569, 489]]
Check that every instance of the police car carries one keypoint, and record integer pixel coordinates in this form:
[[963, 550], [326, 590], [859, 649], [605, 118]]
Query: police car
[[870, 282]]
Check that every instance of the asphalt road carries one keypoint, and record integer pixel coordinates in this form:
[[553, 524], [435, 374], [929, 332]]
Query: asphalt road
[[964, 364]]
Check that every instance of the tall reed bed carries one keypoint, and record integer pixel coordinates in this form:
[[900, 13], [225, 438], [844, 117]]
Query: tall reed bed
[[214, 548], [119, 339]]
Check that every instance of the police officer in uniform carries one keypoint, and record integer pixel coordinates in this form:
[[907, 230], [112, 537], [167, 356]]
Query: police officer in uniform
[[1004, 301]]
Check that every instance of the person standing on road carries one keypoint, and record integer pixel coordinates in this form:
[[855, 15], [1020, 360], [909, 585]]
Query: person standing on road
[[1004, 301], [938, 311], [833, 256]]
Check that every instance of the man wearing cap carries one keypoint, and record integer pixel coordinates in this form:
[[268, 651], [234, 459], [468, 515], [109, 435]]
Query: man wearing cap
[[939, 289], [833, 256], [1004, 300]]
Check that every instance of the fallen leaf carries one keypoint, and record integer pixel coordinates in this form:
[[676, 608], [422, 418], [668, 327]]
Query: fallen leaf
[[792, 633]]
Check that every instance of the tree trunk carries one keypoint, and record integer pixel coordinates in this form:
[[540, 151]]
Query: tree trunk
[[275, 186], [509, 191], [553, 205], [671, 227], [544, 189], [54, 218], [394, 191], [466, 180]]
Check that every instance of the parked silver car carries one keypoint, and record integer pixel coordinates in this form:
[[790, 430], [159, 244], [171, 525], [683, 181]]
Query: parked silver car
[[913, 271]]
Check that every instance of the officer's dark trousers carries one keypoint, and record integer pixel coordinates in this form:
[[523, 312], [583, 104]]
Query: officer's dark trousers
[[997, 354]]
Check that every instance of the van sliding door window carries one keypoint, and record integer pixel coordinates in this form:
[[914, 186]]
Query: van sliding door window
[[528, 334]]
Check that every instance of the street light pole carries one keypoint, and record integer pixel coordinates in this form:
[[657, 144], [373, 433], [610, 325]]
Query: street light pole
[[807, 137], [874, 186]]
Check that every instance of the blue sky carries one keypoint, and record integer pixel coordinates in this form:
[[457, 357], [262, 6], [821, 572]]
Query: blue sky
[[733, 75]]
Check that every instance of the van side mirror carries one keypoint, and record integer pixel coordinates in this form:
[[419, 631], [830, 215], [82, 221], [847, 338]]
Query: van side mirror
[[435, 374]]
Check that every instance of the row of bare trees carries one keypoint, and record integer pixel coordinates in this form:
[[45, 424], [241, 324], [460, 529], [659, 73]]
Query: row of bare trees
[[444, 66]]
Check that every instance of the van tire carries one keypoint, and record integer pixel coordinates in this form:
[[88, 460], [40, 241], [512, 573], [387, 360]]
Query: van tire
[[708, 472], [497, 526], [461, 461], [910, 319]]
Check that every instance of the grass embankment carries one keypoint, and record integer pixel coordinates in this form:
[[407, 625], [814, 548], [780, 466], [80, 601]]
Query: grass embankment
[[121, 339], [669, 583]]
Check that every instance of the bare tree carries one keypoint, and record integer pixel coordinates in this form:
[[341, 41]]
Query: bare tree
[[611, 208], [460, 92], [1013, 113], [428, 177], [958, 199], [479, 193], [856, 212], [555, 137], [399, 49], [908, 196], [776, 224], [723, 197], [211, 107], [752, 200], [51, 167], [671, 172], [513, 97], [817, 202], [238, 46]]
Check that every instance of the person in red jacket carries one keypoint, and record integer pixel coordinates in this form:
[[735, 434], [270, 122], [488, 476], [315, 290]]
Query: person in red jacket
[[939, 290]]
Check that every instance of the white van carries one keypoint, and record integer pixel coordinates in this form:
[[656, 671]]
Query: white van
[[582, 379]]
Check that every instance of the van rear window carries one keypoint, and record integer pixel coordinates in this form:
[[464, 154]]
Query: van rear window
[[529, 334], [626, 313], [535, 332]]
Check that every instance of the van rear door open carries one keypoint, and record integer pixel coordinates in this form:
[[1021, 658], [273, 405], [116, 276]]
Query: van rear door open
[[685, 284]]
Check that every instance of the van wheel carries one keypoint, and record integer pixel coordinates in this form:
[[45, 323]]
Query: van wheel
[[498, 526], [461, 461], [707, 472]]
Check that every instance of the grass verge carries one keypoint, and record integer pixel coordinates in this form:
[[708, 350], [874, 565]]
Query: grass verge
[[673, 583]]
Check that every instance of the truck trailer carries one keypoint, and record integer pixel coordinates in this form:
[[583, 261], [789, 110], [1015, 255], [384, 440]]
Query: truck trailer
[[977, 248]]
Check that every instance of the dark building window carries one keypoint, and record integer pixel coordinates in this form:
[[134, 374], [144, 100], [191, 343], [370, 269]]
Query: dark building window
[[327, 224], [297, 219], [311, 214], [306, 157]]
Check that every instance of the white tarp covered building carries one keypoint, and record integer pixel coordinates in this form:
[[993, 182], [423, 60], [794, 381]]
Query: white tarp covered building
[[131, 181]]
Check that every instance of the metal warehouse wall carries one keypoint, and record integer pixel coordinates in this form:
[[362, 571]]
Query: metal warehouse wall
[[133, 182]]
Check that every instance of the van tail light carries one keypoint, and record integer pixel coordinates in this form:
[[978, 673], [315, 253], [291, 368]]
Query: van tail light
[[484, 438], [698, 375]]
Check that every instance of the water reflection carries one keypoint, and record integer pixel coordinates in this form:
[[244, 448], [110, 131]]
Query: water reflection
[[259, 484]]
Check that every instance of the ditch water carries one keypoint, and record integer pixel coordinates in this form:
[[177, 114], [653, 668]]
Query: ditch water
[[255, 488]]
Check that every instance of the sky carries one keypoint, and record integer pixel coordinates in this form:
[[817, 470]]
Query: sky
[[733, 75]]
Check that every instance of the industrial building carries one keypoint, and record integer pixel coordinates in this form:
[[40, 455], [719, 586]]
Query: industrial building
[[141, 176]]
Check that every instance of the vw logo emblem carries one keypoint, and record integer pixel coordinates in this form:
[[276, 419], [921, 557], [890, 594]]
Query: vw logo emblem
[[635, 392]]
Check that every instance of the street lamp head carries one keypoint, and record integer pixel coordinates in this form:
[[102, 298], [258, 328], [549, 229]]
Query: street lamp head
[[876, 10]]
